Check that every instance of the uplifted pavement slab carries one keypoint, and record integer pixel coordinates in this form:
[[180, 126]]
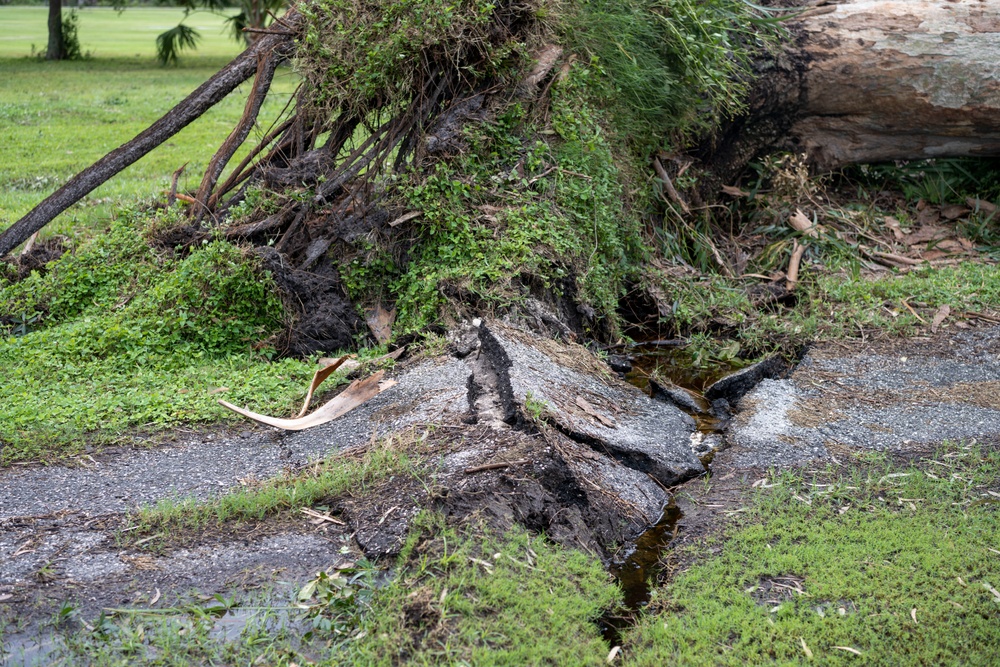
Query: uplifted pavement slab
[[898, 395], [584, 400]]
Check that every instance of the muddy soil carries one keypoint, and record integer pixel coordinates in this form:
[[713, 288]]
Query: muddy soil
[[514, 428]]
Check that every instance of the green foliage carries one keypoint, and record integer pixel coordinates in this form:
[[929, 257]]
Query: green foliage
[[936, 181], [359, 56], [336, 599], [892, 562], [123, 337], [478, 598], [510, 210], [674, 68], [170, 43], [717, 312], [70, 36]]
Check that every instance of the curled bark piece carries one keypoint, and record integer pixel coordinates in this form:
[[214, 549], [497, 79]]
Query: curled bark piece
[[357, 393], [318, 378], [793, 265]]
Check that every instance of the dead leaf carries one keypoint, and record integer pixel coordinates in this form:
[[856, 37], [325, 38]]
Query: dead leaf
[[544, 62], [800, 222], [928, 215], [950, 246], [848, 649], [893, 224], [942, 313], [153, 600], [613, 653], [981, 205], [913, 614], [217, 390], [317, 380], [357, 393], [380, 322], [809, 654], [589, 409], [954, 212], [927, 233], [734, 191]]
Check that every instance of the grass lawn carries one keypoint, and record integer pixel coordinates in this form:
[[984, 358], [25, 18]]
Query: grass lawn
[[870, 564], [58, 118]]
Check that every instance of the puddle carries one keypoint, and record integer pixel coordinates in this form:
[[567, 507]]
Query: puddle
[[28, 650], [675, 364]]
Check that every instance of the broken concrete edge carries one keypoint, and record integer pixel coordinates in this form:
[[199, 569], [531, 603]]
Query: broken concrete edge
[[736, 385], [580, 490]]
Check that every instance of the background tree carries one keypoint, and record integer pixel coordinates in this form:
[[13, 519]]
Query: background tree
[[57, 47], [253, 15]]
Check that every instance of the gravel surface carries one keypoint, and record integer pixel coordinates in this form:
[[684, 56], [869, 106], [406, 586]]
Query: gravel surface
[[894, 397]]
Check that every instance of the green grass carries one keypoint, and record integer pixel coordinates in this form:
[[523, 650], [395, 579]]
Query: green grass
[[883, 542], [877, 541], [721, 319], [128, 338], [333, 478], [58, 118]]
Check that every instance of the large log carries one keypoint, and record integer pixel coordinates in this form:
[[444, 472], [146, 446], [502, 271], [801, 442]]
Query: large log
[[872, 81]]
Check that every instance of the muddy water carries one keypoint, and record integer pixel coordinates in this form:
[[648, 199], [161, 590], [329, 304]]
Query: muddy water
[[636, 573], [674, 364]]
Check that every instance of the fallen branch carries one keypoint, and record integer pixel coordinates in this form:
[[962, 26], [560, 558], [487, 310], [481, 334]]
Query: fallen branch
[[184, 113], [172, 197], [668, 185], [240, 173], [320, 517], [496, 466], [981, 316]]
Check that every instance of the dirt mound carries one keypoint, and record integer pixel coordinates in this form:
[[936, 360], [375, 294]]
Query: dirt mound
[[324, 318]]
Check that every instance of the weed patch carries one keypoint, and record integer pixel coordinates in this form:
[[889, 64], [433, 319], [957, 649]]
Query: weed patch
[[323, 481], [115, 336]]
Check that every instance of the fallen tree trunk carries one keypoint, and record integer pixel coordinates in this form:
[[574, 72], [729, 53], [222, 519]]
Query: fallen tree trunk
[[861, 81], [272, 46], [868, 81]]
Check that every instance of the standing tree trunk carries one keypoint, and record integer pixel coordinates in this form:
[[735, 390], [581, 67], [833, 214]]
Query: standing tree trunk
[[56, 49]]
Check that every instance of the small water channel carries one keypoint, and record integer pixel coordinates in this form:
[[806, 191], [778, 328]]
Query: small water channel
[[637, 572]]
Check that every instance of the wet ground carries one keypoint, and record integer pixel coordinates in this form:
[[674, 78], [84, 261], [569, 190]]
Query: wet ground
[[58, 539]]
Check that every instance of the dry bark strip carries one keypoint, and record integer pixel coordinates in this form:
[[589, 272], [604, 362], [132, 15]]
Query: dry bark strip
[[272, 47]]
